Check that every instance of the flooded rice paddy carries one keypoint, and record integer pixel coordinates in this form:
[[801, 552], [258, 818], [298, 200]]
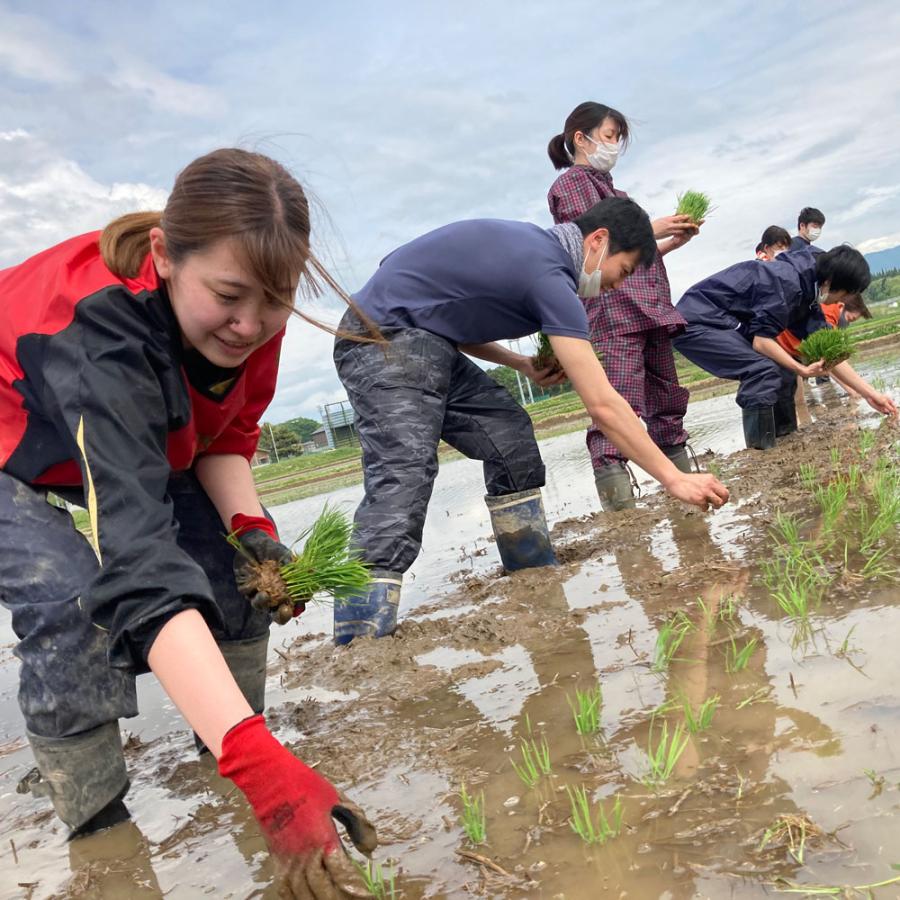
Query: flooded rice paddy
[[794, 781]]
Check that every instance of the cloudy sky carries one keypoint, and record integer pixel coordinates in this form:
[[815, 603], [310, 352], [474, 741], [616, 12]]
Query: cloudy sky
[[400, 117]]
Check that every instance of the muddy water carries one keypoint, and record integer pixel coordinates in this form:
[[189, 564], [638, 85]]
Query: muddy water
[[402, 722]]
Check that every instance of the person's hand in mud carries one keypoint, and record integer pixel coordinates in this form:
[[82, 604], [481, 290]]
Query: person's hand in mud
[[883, 404], [257, 564], [546, 377], [296, 808], [699, 490]]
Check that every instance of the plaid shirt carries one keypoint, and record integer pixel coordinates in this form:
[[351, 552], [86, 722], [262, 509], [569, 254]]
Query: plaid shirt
[[643, 301]]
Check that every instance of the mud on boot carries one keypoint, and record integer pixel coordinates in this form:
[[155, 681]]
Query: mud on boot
[[520, 529], [615, 487], [370, 613], [83, 776], [759, 427]]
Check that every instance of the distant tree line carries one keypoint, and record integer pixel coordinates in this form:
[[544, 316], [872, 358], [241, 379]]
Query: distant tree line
[[884, 286]]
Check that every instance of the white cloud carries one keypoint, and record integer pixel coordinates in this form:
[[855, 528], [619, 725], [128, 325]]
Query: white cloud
[[885, 242]]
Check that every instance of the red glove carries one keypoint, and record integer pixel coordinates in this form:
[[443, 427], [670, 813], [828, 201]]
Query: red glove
[[241, 523], [293, 804]]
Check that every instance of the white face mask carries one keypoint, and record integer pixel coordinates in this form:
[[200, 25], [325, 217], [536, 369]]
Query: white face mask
[[813, 234], [589, 285], [604, 157]]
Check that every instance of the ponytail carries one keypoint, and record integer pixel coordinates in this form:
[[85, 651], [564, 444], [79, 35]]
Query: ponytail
[[559, 153], [125, 242]]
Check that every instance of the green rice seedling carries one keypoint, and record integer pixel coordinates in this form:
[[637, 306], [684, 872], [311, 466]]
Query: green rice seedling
[[832, 500], [714, 468], [793, 831], [664, 755], [593, 829], [757, 696], [809, 477], [694, 204], [702, 719], [736, 659], [877, 568], [832, 345], [866, 441], [586, 709], [728, 608], [854, 476], [380, 881], [535, 761], [326, 565], [473, 819], [670, 638], [710, 616], [835, 454], [784, 886], [545, 358]]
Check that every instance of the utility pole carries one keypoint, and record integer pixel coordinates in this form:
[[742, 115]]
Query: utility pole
[[274, 445]]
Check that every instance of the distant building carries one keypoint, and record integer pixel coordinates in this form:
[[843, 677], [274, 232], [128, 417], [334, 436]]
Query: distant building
[[260, 458], [338, 426]]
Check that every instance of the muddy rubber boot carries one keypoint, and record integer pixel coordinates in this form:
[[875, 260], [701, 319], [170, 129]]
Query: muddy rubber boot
[[759, 427], [83, 776], [370, 613], [785, 417], [679, 455], [614, 487], [247, 663], [520, 528]]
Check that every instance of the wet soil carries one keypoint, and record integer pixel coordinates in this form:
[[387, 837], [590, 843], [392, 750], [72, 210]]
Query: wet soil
[[797, 777]]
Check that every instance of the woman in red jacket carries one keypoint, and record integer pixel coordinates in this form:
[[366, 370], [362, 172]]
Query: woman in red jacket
[[134, 366], [631, 326]]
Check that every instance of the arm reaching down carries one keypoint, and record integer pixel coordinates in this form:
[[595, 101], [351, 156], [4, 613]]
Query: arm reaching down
[[847, 376], [612, 414]]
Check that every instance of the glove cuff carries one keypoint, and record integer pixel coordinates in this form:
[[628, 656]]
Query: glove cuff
[[241, 524]]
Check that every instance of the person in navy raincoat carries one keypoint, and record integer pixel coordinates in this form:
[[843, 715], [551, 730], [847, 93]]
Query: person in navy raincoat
[[735, 316]]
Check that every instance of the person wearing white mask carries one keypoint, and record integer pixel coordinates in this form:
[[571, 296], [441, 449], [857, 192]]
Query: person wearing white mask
[[453, 293], [631, 327], [809, 226]]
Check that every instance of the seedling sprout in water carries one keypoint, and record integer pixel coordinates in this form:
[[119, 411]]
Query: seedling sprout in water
[[694, 204], [670, 638], [535, 761], [664, 755], [737, 658], [379, 881], [702, 719], [474, 822], [325, 565], [593, 829], [831, 345], [586, 709]]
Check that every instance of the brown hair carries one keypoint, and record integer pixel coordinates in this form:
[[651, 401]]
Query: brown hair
[[232, 193], [854, 303], [584, 118]]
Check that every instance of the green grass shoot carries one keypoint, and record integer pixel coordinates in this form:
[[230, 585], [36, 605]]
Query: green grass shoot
[[327, 564], [835, 454], [535, 761], [832, 499], [809, 477], [586, 709], [593, 828], [473, 819], [694, 204], [380, 880], [737, 658], [792, 831], [701, 719], [670, 638], [833, 345], [866, 440], [663, 756]]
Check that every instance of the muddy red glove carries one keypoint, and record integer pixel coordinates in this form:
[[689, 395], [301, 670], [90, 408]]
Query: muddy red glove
[[262, 586], [294, 806]]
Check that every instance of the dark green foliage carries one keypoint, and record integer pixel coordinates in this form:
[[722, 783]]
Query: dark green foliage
[[833, 345], [694, 204]]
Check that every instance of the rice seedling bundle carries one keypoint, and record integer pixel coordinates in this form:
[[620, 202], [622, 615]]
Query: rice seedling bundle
[[832, 345], [695, 204], [326, 565], [545, 358]]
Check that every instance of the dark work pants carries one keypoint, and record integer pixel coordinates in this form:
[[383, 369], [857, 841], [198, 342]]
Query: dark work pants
[[66, 685], [726, 354], [406, 396]]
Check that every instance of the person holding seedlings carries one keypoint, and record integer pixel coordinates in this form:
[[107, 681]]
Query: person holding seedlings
[[810, 223], [136, 363], [632, 326], [735, 316], [454, 291]]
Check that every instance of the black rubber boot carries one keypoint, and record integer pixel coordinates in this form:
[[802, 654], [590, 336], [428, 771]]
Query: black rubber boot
[[785, 416], [759, 427], [614, 487]]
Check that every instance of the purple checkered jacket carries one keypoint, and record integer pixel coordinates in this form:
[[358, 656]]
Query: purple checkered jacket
[[643, 301]]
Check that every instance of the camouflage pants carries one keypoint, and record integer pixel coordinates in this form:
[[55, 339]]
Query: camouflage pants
[[66, 685], [406, 396]]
